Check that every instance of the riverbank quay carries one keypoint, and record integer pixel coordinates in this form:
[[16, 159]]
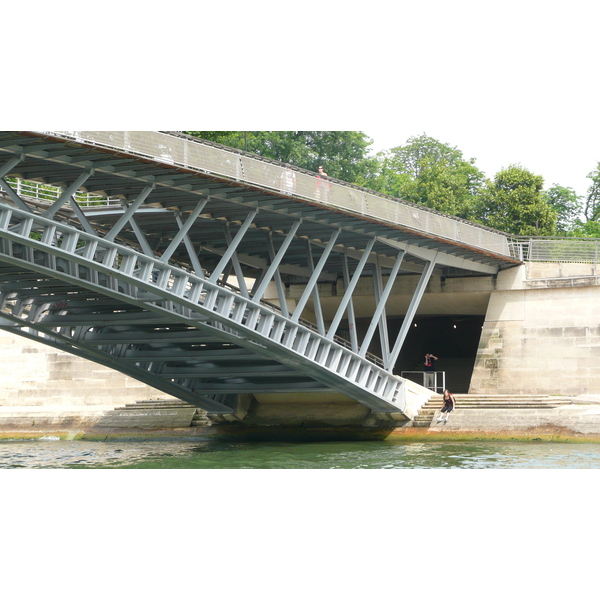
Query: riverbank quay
[[578, 421], [298, 436]]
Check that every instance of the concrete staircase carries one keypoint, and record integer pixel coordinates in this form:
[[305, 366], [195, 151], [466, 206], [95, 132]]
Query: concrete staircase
[[475, 401], [152, 414]]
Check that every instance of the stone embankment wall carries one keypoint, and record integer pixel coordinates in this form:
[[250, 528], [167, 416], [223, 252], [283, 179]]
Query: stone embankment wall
[[43, 389], [541, 333]]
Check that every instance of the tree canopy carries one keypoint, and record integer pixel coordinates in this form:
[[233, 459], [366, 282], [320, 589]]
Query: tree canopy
[[426, 171], [592, 201], [343, 154], [567, 206], [513, 202], [434, 174]]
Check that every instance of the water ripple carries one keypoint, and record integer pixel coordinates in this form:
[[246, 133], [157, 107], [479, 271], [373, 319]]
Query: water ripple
[[211, 454]]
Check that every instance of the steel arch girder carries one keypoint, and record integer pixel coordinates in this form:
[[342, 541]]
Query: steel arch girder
[[358, 389]]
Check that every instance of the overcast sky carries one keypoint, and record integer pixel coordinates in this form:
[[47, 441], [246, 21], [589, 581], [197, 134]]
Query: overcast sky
[[510, 82]]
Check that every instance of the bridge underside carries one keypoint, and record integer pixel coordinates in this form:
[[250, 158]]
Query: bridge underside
[[167, 281]]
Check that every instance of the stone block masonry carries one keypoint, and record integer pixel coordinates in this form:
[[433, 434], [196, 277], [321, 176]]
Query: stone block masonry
[[541, 333], [33, 374]]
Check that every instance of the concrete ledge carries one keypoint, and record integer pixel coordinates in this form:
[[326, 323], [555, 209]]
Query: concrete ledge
[[41, 418], [570, 420]]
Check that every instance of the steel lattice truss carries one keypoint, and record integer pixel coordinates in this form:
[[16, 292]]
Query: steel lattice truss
[[141, 286]]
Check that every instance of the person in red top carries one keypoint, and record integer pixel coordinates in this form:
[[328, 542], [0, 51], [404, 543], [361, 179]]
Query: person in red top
[[429, 371]]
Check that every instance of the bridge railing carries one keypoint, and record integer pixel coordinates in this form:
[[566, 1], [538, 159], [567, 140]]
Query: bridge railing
[[552, 249], [195, 154], [428, 379], [50, 193], [535, 249]]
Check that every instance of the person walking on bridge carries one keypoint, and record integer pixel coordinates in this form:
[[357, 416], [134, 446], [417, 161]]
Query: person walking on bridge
[[322, 192], [288, 181], [449, 405]]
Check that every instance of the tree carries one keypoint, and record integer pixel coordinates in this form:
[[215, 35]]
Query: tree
[[567, 206], [587, 229], [592, 202], [426, 171], [514, 203]]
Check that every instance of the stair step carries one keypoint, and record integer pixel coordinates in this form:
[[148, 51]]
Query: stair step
[[145, 405], [491, 401], [199, 418]]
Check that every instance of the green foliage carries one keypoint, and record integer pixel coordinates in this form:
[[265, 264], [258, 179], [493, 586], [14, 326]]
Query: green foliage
[[426, 171], [421, 152], [587, 229], [343, 154], [514, 203], [592, 202], [567, 206]]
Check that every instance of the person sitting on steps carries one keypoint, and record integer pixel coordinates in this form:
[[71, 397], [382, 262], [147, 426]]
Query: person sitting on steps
[[449, 405]]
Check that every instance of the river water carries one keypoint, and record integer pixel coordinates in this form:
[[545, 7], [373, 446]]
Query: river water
[[265, 520], [51, 453]]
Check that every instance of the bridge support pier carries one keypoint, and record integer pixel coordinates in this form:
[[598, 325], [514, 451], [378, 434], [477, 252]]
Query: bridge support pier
[[299, 409], [242, 406]]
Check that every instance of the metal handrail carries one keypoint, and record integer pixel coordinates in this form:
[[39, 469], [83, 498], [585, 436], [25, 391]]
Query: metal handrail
[[195, 154], [208, 157], [522, 248], [26, 188], [555, 249], [424, 374]]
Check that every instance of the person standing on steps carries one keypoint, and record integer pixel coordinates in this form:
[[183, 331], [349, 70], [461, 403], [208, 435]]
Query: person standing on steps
[[430, 371], [449, 405]]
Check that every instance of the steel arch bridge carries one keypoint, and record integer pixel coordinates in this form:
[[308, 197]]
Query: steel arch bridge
[[126, 251]]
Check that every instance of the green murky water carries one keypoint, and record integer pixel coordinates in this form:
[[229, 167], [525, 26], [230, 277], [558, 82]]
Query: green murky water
[[213, 454]]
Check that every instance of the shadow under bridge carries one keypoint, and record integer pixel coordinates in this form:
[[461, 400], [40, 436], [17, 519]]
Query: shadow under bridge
[[165, 273]]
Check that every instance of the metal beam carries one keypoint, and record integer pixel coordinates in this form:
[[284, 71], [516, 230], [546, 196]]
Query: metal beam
[[237, 267], [379, 310], [410, 314], [349, 303], [440, 258], [315, 276], [83, 219], [278, 283], [6, 168], [315, 293], [196, 266], [350, 287], [232, 247], [67, 194], [179, 237], [128, 214], [272, 268]]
